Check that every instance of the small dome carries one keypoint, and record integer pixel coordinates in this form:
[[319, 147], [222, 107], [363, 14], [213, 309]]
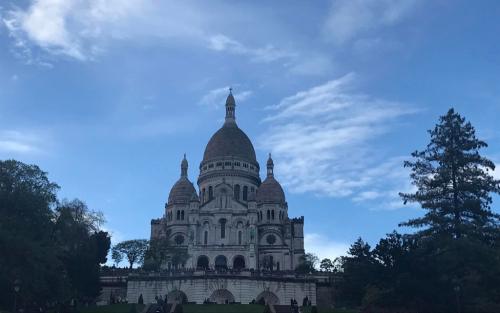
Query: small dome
[[182, 192], [270, 191]]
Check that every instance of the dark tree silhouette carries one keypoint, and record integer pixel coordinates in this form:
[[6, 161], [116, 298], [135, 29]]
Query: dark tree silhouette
[[453, 181], [133, 250], [53, 248]]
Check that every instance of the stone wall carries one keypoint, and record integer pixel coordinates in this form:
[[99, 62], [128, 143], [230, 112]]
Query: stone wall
[[220, 288]]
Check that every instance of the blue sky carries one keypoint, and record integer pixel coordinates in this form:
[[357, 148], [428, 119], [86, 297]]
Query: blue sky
[[107, 95]]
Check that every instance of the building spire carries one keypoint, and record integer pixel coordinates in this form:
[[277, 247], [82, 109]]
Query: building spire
[[230, 108], [184, 167], [270, 166]]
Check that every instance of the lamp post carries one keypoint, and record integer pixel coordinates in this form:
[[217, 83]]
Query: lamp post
[[17, 287]]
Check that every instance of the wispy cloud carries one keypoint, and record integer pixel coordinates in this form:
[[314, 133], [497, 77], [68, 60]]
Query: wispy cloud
[[323, 141], [349, 19], [268, 53], [82, 29], [13, 142], [216, 98], [323, 247]]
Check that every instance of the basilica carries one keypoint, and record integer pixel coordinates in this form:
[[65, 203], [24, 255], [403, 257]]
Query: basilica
[[238, 242], [235, 221]]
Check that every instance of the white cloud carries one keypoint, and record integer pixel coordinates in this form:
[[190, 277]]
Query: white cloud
[[349, 19], [269, 53], [311, 65], [216, 98], [83, 29], [324, 247], [323, 141], [15, 142]]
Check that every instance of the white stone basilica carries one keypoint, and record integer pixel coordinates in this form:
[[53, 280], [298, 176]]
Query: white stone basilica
[[235, 221]]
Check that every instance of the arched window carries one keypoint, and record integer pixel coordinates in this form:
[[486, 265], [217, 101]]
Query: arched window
[[268, 215], [245, 193], [237, 192], [179, 239], [220, 262], [239, 262], [182, 215], [178, 215], [210, 193], [203, 195], [205, 237], [239, 237], [272, 215], [223, 228], [202, 262]]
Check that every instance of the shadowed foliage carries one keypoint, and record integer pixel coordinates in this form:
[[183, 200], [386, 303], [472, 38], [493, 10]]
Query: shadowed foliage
[[452, 262], [53, 249]]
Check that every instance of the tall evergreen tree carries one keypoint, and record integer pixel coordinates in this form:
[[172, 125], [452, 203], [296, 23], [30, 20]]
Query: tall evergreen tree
[[453, 182], [457, 253]]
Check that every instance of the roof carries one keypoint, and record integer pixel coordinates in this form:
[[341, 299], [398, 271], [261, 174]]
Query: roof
[[182, 192], [270, 191], [230, 141]]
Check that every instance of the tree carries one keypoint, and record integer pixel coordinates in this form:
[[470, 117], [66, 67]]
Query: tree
[[83, 246], [54, 248], [307, 263], [453, 182], [133, 250], [358, 273], [116, 256], [161, 251], [27, 250], [457, 252], [326, 265]]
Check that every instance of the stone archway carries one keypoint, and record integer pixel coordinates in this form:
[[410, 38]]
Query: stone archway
[[177, 296], [267, 297], [222, 296], [238, 262], [202, 262], [220, 262]]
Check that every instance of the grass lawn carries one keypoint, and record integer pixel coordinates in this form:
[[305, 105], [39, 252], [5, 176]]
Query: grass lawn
[[114, 308], [223, 308], [327, 310]]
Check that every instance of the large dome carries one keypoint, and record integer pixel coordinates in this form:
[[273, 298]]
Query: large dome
[[230, 141]]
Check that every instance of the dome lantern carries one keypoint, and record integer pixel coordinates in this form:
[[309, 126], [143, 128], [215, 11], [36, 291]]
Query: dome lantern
[[230, 108], [184, 166], [270, 166]]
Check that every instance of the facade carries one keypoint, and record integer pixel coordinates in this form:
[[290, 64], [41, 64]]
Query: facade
[[235, 221]]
